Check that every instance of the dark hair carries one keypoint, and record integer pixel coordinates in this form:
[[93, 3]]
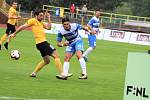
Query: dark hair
[[97, 9], [13, 2], [65, 20], [36, 12]]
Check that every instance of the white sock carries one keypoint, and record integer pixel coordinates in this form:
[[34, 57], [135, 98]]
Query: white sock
[[65, 68], [88, 51], [83, 65]]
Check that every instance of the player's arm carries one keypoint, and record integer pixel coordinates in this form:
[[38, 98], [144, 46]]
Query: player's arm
[[48, 25], [84, 27], [89, 25], [59, 41], [22, 27], [11, 16], [29, 23], [60, 44], [90, 29]]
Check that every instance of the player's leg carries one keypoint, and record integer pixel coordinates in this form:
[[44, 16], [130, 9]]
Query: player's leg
[[40, 65], [12, 30], [92, 46], [45, 51], [68, 55], [57, 61], [79, 49], [58, 64], [66, 65], [82, 64], [3, 38]]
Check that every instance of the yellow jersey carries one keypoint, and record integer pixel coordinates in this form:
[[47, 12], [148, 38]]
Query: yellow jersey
[[38, 30], [12, 12]]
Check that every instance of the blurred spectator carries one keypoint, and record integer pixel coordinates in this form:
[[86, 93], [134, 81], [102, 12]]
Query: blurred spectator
[[84, 11], [4, 4], [72, 10], [77, 11]]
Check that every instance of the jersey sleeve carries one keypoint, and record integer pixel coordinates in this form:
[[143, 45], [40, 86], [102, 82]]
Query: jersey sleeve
[[30, 22], [91, 22], [11, 11], [59, 37], [43, 23], [79, 27]]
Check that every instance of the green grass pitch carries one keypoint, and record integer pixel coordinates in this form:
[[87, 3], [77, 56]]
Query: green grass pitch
[[106, 72]]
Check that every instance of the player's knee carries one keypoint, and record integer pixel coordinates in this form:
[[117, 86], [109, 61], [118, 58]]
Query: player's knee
[[79, 56], [67, 59], [55, 54], [56, 57], [47, 61], [93, 47]]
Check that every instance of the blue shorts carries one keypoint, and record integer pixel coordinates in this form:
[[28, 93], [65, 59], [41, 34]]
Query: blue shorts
[[72, 48], [92, 40]]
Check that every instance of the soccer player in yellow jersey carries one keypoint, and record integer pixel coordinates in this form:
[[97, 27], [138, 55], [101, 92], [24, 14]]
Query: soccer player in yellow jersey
[[42, 45], [12, 19]]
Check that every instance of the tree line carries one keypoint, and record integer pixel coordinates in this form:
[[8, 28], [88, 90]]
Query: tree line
[[131, 7]]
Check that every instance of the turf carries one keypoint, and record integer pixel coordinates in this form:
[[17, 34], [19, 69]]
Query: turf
[[106, 71]]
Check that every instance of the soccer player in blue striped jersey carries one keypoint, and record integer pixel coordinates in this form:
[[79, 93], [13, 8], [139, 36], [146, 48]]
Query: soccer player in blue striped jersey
[[74, 45], [93, 26]]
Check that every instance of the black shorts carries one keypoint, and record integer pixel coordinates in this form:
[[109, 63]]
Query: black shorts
[[10, 29], [45, 48]]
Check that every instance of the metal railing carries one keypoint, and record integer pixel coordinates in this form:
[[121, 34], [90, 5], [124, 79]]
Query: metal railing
[[105, 17]]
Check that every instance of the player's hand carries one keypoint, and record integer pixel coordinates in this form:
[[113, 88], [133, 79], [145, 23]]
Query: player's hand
[[48, 15], [60, 44], [86, 28], [19, 17], [98, 32], [87, 32], [93, 32], [66, 43], [12, 35]]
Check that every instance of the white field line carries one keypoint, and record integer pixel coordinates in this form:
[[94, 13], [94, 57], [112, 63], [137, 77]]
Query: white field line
[[19, 98]]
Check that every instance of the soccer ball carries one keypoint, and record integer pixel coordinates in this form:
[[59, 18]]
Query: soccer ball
[[15, 54]]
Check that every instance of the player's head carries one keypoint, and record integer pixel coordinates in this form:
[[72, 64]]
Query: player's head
[[14, 4], [39, 15], [97, 13], [66, 24]]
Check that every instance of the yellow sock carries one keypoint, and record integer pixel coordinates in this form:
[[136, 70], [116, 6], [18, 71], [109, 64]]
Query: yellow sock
[[58, 65], [39, 66], [3, 38]]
